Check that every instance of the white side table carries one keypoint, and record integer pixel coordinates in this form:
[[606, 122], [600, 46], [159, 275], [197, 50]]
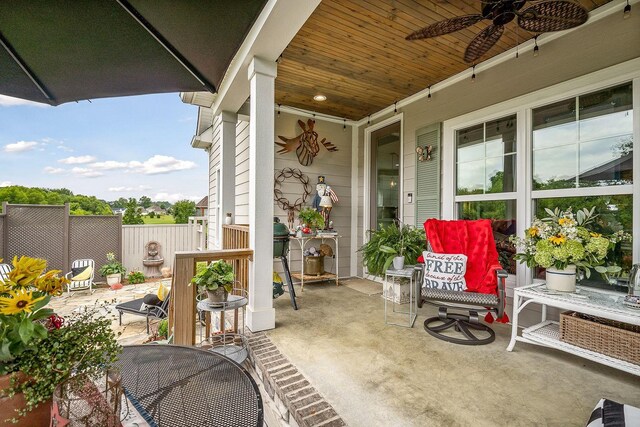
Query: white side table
[[595, 302], [407, 273]]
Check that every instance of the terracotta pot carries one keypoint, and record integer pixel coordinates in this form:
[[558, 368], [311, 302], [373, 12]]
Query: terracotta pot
[[40, 416]]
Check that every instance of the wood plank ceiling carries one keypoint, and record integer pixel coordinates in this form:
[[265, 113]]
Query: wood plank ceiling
[[354, 52]]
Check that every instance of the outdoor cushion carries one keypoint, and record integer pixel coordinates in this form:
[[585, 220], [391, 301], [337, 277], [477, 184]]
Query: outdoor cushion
[[162, 292], [486, 300], [444, 271], [81, 273], [613, 414], [151, 299]]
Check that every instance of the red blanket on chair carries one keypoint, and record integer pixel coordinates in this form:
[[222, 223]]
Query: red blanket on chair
[[475, 240]]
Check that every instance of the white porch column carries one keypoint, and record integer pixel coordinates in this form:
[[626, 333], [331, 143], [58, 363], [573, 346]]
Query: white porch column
[[227, 196], [260, 312]]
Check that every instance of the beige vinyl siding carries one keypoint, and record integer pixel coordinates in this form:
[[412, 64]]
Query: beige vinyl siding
[[214, 164], [335, 167], [242, 172]]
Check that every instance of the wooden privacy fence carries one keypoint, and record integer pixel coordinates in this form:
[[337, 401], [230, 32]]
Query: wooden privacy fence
[[51, 233], [182, 305], [237, 237]]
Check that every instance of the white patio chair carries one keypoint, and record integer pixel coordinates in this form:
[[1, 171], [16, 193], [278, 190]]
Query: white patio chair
[[77, 285], [5, 269]]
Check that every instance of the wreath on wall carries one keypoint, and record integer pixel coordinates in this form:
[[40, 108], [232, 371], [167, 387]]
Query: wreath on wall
[[283, 202]]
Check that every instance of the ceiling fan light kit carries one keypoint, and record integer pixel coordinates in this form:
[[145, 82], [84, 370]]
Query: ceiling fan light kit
[[539, 17]]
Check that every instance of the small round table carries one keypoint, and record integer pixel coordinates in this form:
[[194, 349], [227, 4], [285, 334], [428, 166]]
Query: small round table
[[230, 344], [185, 386]]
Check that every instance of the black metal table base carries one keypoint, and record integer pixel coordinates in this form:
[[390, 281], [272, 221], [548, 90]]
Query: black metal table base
[[461, 323]]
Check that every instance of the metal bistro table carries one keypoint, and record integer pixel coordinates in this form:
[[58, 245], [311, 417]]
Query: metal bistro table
[[177, 386]]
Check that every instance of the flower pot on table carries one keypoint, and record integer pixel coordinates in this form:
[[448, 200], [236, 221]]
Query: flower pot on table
[[218, 296], [561, 280]]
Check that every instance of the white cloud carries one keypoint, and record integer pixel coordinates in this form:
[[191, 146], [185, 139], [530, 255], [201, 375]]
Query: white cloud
[[111, 165], [174, 197], [86, 173], [5, 183], [20, 146], [52, 170], [155, 165], [77, 160], [65, 148], [164, 164], [127, 189], [8, 101]]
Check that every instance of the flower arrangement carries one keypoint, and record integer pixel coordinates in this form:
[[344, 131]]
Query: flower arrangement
[[565, 238], [39, 349], [113, 266]]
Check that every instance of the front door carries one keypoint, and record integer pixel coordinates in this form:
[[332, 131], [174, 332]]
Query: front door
[[384, 196]]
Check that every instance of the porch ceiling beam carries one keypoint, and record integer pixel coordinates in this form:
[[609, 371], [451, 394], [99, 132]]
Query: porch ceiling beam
[[277, 24]]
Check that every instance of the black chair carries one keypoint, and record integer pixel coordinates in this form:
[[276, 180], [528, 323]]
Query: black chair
[[150, 311]]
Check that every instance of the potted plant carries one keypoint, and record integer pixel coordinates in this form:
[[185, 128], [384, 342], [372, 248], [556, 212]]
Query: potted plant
[[311, 220], [112, 270], [386, 244], [565, 243], [38, 349], [217, 279]]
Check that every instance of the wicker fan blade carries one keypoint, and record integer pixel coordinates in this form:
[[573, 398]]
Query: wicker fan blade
[[552, 16], [445, 27], [483, 42]]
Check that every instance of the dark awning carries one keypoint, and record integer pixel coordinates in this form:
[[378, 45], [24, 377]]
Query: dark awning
[[56, 51]]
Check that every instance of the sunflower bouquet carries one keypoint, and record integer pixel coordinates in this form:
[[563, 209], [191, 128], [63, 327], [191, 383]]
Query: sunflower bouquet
[[565, 238], [23, 314]]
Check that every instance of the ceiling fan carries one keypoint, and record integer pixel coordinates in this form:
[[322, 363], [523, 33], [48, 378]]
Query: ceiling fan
[[540, 17]]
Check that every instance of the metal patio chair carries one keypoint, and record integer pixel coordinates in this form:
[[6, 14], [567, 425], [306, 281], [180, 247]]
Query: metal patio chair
[[5, 269], [77, 285], [475, 240], [149, 311]]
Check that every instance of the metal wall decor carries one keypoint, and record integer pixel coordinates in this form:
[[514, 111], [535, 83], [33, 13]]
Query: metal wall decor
[[282, 201], [305, 144], [424, 154]]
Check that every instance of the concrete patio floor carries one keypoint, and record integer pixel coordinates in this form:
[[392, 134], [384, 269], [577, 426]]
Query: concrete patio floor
[[377, 375]]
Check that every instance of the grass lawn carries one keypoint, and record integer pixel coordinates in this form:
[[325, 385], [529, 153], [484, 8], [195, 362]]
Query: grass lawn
[[163, 219]]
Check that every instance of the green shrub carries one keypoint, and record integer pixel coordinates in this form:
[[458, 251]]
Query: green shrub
[[136, 277]]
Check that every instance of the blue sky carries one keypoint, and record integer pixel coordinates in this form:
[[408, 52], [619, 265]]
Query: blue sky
[[109, 148]]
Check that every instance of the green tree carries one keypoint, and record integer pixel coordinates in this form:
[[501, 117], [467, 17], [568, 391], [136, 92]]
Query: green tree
[[182, 210], [145, 202], [133, 214], [79, 204]]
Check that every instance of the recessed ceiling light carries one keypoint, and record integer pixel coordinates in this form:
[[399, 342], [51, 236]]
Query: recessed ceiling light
[[320, 98]]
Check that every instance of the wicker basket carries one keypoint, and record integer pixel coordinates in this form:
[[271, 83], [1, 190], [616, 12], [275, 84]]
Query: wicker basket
[[608, 337]]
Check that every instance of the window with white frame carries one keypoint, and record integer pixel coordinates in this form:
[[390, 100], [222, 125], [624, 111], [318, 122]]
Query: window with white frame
[[486, 179], [582, 156]]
